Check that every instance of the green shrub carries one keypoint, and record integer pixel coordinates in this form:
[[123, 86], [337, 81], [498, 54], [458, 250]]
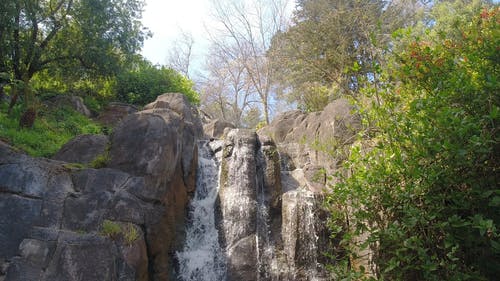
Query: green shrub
[[425, 194], [143, 84]]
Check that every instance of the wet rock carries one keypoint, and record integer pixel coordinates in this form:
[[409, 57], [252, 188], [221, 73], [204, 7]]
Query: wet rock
[[242, 264], [238, 203]]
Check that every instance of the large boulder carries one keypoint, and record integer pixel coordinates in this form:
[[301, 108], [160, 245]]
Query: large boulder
[[215, 128], [114, 112], [158, 144], [82, 149], [123, 222], [314, 142], [43, 239]]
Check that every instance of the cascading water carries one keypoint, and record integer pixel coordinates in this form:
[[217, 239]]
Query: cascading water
[[237, 231], [202, 258]]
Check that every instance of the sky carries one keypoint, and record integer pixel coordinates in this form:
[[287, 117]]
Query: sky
[[166, 18]]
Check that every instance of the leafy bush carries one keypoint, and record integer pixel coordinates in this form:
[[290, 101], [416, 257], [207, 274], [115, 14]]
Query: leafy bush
[[143, 84], [425, 192]]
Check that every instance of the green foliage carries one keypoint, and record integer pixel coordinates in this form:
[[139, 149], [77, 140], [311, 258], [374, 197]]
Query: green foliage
[[334, 47], [66, 41], [115, 230], [110, 229], [424, 189], [144, 83], [130, 234], [100, 161], [51, 130]]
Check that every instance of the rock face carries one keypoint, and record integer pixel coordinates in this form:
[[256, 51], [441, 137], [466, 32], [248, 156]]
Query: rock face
[[273, 224], [123, 222], [272, 227], [115, 112], [127, 221], [215, 128], [314, 142], [82, 149], [239, 204]]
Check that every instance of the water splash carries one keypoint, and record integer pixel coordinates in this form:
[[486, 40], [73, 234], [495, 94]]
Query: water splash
[[202, 258]]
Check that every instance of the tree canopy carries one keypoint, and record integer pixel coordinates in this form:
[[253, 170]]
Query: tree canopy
[[79, 36], [334, 46], [78, 39]]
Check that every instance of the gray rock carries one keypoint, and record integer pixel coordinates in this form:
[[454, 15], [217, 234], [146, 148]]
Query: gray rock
[[215, 128], [82, 149], [316, 140], [148, 144], [17, 215], [60, 210], [83, 257], [180, 104], [20, 270], [114, 112], [74, 102], [242, 263]]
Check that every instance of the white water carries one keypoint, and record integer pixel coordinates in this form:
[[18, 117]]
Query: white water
[[202, 258]]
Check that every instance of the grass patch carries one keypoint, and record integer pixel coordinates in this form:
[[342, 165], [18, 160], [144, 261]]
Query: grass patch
[[125, 232], [110, 229], [52, 129]]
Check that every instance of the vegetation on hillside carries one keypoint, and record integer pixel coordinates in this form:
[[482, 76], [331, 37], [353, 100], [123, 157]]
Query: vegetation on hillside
[[65, 47], [50, 131]]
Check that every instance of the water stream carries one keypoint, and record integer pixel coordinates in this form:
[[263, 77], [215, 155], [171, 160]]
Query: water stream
[[202, 258]]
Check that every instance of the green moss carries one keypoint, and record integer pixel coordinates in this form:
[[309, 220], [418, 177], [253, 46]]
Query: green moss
[[74, 166], [100, 161], [125, 232]]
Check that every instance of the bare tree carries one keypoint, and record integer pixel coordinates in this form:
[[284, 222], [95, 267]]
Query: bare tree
[[249, 26], [226, 90], [180, 54]]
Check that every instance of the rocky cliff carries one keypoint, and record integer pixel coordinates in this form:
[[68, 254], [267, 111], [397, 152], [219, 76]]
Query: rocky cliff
[[60, 221], [128, 220]]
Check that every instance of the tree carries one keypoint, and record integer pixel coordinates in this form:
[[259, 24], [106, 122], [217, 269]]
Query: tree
[[144, 82], [227, 90], [86, 37], [248, 26], [337, 44], [423, 188], [180, 54]]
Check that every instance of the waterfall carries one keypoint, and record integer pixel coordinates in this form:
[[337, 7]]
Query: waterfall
[[202, 258], [239, 230], [300, 235]]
